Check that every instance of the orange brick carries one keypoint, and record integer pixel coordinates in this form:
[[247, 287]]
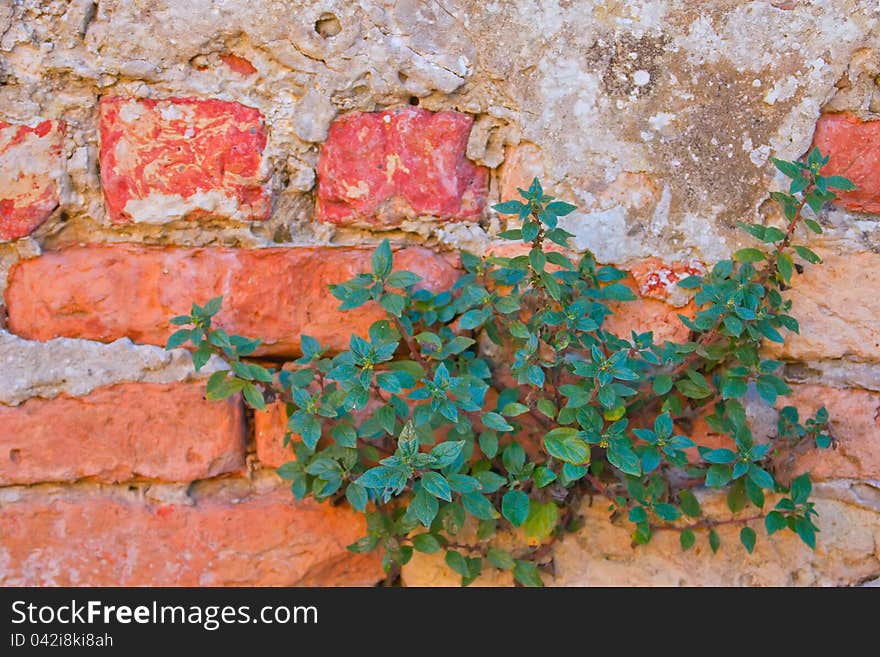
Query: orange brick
[[85, 536], [119, 432], [106, 292], [855, 423]]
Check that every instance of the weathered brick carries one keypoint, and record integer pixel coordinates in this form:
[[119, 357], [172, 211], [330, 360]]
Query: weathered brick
[[855, 423], [30, 165], [86, 536], [522, 164], [647, 314], [169, 159], [838, 308], [854, 149], [112, 291], [379, 168], [119, 432], [269, 429], [657, 279]]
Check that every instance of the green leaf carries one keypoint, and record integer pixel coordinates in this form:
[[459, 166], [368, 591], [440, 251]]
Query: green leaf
[[447, 452], [718, 475], [624, 459], [381, 260], [425, 507], [638, 514], [501, 559], [720, 456], [402, 279], [543, 476], [508, 207], [790, 169], [839, 182], [749, 255], [564, 444], [689, 503], [667, 512], [178, 338], [687, 539], [526, 573], [345, 435], [497, 422], [662, 384], [200, 357], [541, 521], [513, 409], [472, 319], [436, 484], [220, 387], [254, 396], [714, 540], [477, 505], [356, 496], [808, 255], [560, 209], [457, 562], [393, 303], [801, 487], [515, 507], [489, 443], [464, 484], [426, 543], [748, 537], [761, 477], [774, 522], [805, 530]]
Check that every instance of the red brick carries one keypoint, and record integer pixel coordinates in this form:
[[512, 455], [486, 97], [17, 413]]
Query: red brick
[[84, 536], [182, 157], [30, 165], [119, 432], [855, 423], [105, 292], [379, 168], [854, 149]]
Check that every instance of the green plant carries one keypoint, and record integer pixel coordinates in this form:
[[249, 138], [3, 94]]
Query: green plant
[[415, 427]]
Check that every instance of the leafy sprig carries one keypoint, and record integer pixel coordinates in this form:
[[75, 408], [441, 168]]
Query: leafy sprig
[[443, 447]]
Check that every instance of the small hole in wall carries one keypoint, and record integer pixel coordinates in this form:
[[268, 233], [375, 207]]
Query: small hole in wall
[[328, 25], [413, 100], [15, 455]]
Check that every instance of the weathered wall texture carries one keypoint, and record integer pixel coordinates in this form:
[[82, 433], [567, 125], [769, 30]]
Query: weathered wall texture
[[154, 152]]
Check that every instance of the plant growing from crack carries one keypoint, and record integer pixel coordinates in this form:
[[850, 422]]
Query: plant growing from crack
[[418, 429]]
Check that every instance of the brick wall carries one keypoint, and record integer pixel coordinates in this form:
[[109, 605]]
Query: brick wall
[[263, 163]]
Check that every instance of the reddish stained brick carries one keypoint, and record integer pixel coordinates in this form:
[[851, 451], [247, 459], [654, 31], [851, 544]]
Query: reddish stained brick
[[238, 64], [85, 536], [105, 292], [30, 164], [119, 432], [854, 149], [657, 279], [379, 168], [182, 157]]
